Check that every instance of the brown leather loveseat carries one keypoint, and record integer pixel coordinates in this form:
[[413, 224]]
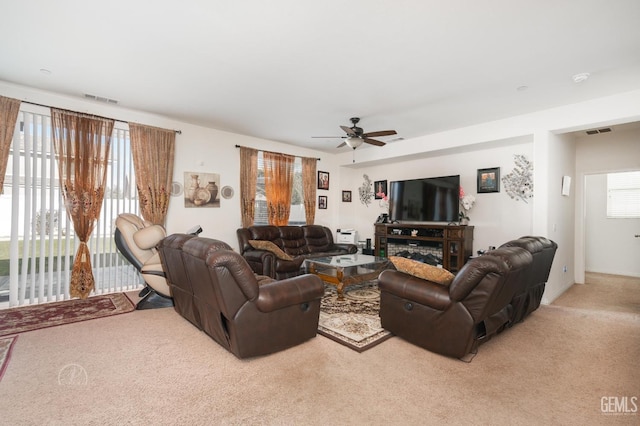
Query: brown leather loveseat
[[215, 289], [287, 247], [488, 295], [454, 320]]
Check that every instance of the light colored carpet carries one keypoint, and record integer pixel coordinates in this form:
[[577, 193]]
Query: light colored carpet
[[153, 367], [602, 292]]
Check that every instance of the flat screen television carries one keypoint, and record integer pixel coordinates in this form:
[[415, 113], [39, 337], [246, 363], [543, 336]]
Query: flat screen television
[[425, 200]]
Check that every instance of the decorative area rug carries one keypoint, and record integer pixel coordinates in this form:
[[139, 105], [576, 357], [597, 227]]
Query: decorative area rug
[[33, 317], [6, 344], [354, 321]]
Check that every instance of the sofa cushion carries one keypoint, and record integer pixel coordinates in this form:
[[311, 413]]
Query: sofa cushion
[[269, 246], [422, 270]]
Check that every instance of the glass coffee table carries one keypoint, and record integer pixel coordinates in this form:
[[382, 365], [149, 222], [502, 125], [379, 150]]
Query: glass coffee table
[[347, 269]]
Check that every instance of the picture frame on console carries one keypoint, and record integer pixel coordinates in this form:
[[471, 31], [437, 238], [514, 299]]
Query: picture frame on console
[[346, 196], [489, 180], [322, 201], [323, 180]]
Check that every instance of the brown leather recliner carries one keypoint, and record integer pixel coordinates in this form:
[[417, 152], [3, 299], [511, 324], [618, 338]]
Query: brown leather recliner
[[215, 289], [454, 320], [529, 295]]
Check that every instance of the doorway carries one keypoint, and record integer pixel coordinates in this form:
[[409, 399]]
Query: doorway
[[611, 245]]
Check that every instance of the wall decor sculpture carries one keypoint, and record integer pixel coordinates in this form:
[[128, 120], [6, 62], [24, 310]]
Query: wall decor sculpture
[[366, 191], [519, 183]]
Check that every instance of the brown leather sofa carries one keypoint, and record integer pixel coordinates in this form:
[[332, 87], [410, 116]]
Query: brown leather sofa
[[529, 294], [297, 242], [215, 289], [454, 320]]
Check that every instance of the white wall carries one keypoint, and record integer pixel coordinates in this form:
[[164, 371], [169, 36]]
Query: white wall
[[459, 151], [198, 149], [495, 216], [203, 150], [560, 162]]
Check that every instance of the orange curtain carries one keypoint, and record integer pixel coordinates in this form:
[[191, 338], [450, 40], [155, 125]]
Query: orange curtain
[[82, 144], [9, 109], [309, 188], [248, 182], [278, 185], [153, 151]]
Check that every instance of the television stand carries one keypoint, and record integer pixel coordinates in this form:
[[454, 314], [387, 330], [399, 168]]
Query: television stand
[[453, 244]]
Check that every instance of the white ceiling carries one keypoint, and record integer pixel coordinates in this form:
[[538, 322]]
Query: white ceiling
[[287, 70]]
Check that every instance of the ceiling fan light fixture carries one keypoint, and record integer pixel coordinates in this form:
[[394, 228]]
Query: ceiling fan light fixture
[[353, 142]]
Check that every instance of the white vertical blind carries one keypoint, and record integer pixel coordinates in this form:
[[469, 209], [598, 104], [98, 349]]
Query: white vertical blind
[[39, 235], [623, 195]]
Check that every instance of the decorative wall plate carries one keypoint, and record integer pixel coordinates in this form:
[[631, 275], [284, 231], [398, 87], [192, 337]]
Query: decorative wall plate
[[176, 189], [227, 192]]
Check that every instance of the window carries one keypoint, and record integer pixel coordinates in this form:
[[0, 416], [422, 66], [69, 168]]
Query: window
[[296, 216], [623, 195], [38, 243]]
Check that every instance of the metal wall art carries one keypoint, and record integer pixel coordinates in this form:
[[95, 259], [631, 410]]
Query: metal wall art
[[365, 191], [519, 183]]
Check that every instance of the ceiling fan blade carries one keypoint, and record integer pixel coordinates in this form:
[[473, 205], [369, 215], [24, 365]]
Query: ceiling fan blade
[[348, 130], [341, 145], [327, 137], [380, 133], [374, 142]]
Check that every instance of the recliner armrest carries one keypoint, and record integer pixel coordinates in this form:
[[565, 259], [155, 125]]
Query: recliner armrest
[[262, 256], [292, 291], [408, 287]]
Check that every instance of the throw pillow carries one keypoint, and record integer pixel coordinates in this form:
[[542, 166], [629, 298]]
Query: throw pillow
[[269, 246], [422, 270]]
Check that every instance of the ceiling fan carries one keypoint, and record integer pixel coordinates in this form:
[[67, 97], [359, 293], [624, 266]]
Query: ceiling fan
[[356, 136]]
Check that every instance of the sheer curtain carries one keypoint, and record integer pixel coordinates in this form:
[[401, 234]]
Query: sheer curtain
[[309, 188], [153, 152], [278, 184], [82, 144], [9, 109], [248, 181]]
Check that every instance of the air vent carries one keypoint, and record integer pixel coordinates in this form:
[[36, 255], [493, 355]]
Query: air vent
[[596, 131], [100, 99]]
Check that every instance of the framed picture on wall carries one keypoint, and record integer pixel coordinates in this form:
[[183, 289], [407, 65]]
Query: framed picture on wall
[[322, 201], [323, 180], [380, 189], [346, 196], [489, 180]]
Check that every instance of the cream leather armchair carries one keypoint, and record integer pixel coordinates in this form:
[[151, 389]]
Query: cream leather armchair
[[137, 239]]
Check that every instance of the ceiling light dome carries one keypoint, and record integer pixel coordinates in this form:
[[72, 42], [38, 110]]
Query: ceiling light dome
[[353, 142]]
